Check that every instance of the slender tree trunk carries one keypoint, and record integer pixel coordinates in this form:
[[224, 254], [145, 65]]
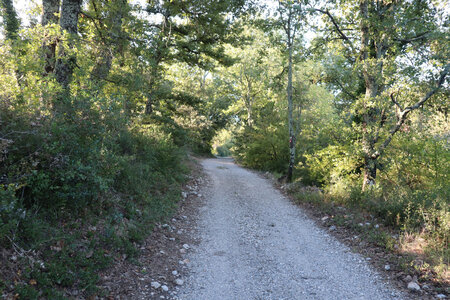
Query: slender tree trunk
[[370, 169], [249, 115], [68, 22], [370, 172], [290, 115], [149, 103], [50, 9]]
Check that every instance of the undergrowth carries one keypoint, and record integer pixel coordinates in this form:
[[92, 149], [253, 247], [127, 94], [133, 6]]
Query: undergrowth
[[79, 190]]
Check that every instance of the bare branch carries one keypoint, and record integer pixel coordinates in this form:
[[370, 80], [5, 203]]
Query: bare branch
[[336, 25], [395, 101]]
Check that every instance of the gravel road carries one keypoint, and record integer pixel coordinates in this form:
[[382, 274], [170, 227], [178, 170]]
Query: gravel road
[[255, 244]]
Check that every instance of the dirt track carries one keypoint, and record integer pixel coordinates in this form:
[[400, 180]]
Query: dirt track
[[257, 245]]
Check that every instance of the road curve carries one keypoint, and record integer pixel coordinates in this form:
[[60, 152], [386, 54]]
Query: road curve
[[255, 244]]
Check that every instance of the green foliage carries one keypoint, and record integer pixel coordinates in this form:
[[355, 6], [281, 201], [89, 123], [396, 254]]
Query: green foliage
[[70, 167], [262, 149], [222, 143]]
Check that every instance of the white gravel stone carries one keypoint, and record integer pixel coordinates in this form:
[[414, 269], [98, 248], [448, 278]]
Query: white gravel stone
[[387, 267], [164, 288], [413, 286], [155, 284], [179, 281], [186, 246], [175, 272], [441, 296]]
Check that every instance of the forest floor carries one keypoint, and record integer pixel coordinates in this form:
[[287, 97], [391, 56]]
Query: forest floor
[[236, 236]]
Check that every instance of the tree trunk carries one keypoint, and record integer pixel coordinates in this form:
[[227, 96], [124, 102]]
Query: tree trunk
[[50, 9], [249, 116], [370, 172], [290, 115], [149, 104], [10, 19], [370, 169], [69, 23]]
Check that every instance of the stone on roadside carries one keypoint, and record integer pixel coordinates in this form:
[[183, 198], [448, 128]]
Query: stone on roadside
[[164, 288], [155, 284], [332, 228], [179, 281], [186, 246], [413, 286], [441, 296], [387, 267], [175, 273]]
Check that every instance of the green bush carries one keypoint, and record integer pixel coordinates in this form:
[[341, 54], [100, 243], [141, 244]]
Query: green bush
[[81, 167]]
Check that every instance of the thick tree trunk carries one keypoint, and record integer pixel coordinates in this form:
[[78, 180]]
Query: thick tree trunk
[[10, 19], [290, 116], [68, 22], [50, 9]]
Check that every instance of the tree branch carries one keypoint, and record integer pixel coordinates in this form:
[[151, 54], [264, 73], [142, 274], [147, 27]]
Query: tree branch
[[407, 110], [395, 101], [336, 25], [432, 91], [412, 39]]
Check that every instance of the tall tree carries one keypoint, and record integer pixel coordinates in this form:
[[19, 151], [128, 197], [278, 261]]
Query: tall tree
[[290, 21], [395, 40]]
